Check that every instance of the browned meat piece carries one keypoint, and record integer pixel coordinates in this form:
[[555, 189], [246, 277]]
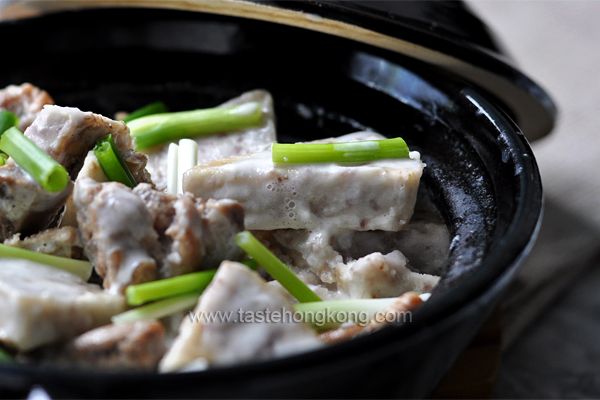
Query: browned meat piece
[[67, 134], [185, 239], [25, 207], [341, 334], [117, 233], [195, 235], [25, 101], [160, 205], [222, 219], [136, 162], [135, 236], [137, 345], [202, 235], [62, 242], [405, 303]]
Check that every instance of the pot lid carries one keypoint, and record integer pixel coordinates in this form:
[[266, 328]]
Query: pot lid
[[441, 33]]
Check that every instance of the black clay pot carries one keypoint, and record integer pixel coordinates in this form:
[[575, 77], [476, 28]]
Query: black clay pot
[[480, 170]]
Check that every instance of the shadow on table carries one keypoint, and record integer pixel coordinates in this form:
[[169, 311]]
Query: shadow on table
[[551, 315], [567, 246]]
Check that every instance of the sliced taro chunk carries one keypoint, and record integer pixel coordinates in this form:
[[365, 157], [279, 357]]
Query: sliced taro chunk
[[242, 294], [67, 135], [379, 195], [25, 206], [43, 305]]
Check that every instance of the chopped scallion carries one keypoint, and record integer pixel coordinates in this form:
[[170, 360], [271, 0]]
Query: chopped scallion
[[160, 128], [8, 120], [352, 152], [80, 268], [44, 169], [159, 309], [190, 283], [277, 269], [186, 160], [172, 164], [250, 263], [154, 108], [145, 292], [112, 163]]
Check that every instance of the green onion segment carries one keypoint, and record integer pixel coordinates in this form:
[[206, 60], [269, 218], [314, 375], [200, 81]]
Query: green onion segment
[[186, 160], [44, 169], [154, 108], [81, 268], [250, 263], [353, 152], [172, 169], [190, 283], [160, 128], [145, 292], [159, 309], [277, 269], [8, 120], [112, 163]]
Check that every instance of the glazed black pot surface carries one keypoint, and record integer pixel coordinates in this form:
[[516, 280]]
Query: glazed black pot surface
[[480, 172]]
